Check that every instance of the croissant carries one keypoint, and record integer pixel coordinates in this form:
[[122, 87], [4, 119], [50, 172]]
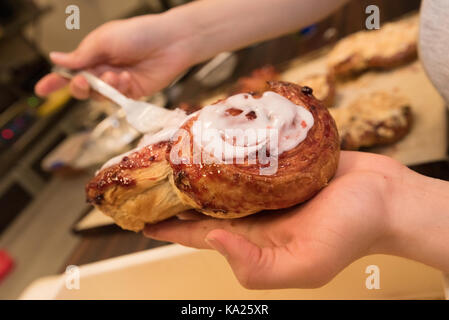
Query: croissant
[[226, 176]]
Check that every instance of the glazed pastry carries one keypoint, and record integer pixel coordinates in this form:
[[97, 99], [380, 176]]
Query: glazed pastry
[[188, 108], [376, 118], [293, 155], [392, 45], [257, 81], [323, 86]]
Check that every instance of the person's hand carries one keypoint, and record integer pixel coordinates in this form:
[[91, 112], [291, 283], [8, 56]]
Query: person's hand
[[138, 56], [142, 55], [305, 246]]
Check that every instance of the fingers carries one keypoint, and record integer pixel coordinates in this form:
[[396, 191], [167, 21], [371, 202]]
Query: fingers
[[243, 256], [187, 233], [191, 215], [256, 265], [85, 56], [260, 268], [120, 81], [269, 267], [249, 262], [124, 82], [93, 50], [51, 82], [88, 55], [79, 87]]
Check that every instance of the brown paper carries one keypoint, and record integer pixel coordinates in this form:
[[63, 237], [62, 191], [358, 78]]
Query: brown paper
[[427, 140]]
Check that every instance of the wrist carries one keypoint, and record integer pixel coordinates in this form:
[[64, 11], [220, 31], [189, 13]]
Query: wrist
[[417, 218], [183, 32]]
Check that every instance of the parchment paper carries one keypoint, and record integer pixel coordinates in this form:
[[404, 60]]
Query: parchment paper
[[427, 140]]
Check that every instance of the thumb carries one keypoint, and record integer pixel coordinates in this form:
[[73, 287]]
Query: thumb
[[243, 256], [84, 57]]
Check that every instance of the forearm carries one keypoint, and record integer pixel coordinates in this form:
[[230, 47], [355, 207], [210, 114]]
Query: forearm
[[213, 26], [419, 220]]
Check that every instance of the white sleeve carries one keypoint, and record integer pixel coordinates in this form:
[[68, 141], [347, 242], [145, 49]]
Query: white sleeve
[[434, 53], [434, 43]]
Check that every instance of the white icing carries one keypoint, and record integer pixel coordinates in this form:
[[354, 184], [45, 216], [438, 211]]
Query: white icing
[[170, 125], [211, 131], [289, 122]]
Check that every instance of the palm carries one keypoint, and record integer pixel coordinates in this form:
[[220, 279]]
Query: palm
[[303, 246]]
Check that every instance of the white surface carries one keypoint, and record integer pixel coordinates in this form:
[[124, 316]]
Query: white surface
[[176, 272], [434, 43], [50, 287]]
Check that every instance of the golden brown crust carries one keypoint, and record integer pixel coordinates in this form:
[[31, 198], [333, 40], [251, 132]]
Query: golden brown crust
[[136, 190], [323, 86], [188, 108], [377, 118], [257, 82], [393, 45], [231, 191], [145, 187]]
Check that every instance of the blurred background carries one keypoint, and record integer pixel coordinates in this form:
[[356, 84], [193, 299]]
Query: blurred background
[[46, 144]]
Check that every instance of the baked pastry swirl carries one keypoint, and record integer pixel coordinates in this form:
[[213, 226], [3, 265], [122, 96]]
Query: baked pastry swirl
[[166, 178], [323, 85], [376, 118], [257, 81], [392, 45]]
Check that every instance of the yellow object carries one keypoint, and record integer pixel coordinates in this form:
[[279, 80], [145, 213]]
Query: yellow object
[[54, 102]]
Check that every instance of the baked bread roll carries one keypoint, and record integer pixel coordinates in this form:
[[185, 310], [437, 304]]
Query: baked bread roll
[[323, 86], [256, 82], [136, 190], [392, 45], [376, 118], [273, 172], [231, 191]]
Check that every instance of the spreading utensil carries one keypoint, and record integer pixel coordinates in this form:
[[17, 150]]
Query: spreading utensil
[[143, 116]]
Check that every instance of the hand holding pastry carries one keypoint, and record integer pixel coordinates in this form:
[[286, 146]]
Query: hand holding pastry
[[289, 151], [373, 205]]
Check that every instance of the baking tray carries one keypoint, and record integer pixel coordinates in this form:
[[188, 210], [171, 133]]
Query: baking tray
[[427, 140]]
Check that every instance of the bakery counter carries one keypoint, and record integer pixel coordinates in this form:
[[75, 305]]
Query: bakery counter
[[126, 252], [111, 241]]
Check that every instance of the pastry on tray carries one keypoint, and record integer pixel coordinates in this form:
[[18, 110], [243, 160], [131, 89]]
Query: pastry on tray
[[206, 167], [257, 81], [376, 118], [392, 45], [323, 86]]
